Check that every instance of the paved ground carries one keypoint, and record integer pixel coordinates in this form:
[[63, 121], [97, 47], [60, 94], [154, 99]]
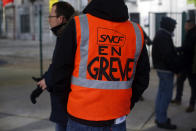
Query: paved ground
[[19, 61]]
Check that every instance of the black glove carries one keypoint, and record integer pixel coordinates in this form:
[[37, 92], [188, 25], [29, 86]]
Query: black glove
[[36, 93]]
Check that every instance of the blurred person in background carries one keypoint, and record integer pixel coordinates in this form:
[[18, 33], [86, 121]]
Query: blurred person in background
[[181, 77], [166, 62], [188, 49]]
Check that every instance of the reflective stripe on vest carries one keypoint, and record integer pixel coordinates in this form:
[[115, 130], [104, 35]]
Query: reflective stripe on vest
[[82, 81], [84, 45]]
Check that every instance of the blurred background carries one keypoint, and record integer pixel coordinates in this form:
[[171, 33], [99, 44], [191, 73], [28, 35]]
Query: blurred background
[[20, 19], [26, 48]]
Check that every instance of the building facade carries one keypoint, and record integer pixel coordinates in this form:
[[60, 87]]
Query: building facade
[[1, 18], [149, 12], [22, 18]]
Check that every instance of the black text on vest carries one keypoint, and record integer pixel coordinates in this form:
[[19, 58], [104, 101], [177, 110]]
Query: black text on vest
[[101, 66], [108, 61], [105, 65], [110, 37]]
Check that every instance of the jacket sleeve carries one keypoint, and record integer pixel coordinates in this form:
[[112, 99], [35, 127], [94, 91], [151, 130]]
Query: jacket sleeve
[[141, 80], [172, 60], [60, 70]]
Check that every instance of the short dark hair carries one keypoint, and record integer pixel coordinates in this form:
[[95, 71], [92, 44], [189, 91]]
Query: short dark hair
[[64, 9]]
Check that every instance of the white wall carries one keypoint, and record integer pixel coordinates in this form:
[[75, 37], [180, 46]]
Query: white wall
[[77, 4], [17, 2], [146, 6], [173, 6]]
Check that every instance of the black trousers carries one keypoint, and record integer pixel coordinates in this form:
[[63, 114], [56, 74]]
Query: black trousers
[[180, 84], [192, 81]]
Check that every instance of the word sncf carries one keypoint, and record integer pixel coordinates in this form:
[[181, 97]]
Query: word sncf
[[110, 37]]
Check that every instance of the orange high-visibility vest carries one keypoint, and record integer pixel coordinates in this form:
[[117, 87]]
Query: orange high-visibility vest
[[105, 63]]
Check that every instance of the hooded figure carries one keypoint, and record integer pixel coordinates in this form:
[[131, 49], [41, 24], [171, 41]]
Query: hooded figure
[[163, 51], [65, 59], [168, 24], [166, 62]]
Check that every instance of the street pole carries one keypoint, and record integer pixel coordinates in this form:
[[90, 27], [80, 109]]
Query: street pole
[[4, 24], [32, 21], [40, 41], [14, 22], [1, 18]]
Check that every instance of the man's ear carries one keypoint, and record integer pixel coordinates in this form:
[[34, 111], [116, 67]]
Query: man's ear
[[62, 19]]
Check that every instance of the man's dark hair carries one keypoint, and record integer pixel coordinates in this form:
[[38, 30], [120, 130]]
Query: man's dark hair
[[64, 9]]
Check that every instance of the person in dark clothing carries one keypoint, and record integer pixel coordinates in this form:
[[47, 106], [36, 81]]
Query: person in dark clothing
[[188, 50], [181, 77], [60, 15], [166, 62], [64, 57]]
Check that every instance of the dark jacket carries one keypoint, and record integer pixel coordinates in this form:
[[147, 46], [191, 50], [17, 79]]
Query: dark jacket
[[59, 92], [164, 54], [188, 49], [63, 58]]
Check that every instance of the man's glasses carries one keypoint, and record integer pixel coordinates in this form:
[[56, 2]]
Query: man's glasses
[[51, 16]]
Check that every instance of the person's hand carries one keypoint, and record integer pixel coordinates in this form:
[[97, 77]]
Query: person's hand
[[42, 84]]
